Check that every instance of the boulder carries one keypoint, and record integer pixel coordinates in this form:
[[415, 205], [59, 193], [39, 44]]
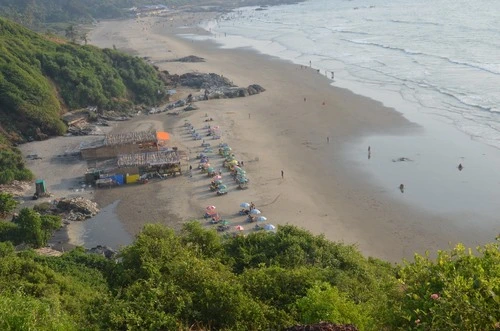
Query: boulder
[[105, 251], [191, 107], [78, 208]]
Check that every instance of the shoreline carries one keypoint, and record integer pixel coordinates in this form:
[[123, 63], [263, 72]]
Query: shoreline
[[320, 192]]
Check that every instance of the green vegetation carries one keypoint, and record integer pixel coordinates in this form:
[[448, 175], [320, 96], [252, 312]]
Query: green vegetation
[[198, 279], [30, 227], [7, 204], [41, 76]]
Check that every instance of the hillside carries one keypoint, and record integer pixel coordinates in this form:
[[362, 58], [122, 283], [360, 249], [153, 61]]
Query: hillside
[[199, 280], [41, 76], [38, 13]]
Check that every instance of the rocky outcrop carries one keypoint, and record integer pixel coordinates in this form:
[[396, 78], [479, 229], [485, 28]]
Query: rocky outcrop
[[105, 251], [190, 58], [213, 86], [197, 80], [77, 209]]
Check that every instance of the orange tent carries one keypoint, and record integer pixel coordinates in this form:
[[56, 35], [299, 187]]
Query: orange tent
[[162, 135]]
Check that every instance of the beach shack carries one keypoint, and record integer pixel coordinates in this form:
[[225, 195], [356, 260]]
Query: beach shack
[[164, 162], [113, 145]]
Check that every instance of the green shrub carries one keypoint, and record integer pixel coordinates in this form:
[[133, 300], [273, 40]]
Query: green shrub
[[325, 303], [7, 204], [460, 290]]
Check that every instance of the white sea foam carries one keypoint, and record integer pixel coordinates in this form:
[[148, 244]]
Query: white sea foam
[[443, 57]]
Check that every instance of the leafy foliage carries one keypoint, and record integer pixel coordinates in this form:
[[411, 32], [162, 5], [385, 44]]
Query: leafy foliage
[[458, 291], [199, 280], [30, 227], [325, 303], [7, 204]]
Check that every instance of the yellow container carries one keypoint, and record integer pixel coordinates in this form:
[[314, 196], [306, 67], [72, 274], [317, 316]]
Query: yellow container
[[129, 179]]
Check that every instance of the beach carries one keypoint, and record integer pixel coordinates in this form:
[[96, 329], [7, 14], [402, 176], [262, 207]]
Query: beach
[[300, 125]]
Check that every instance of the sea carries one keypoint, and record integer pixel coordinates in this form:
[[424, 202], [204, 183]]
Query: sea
[[444, 55], [436, 62]]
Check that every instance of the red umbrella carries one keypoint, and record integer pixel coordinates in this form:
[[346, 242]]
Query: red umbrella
[[240, 228]]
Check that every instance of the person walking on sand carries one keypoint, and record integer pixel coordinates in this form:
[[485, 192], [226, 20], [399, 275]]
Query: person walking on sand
[[328, 140], [460, 167], [282, 174], [402, 188]]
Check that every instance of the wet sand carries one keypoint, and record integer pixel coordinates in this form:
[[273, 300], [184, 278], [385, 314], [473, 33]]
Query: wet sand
[[284, 128]]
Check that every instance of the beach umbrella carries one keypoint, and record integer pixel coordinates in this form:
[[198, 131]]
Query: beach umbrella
[[210, 169], [224, 222], [240, 228], [211, 210], [222, 187], [261, 218], [218, 177], [254, 212], [269, 227], [245, 205], [218, 182], [206, 165], [233, 162]]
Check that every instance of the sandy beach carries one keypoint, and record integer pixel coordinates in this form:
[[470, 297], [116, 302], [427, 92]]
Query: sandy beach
[[300, 124]]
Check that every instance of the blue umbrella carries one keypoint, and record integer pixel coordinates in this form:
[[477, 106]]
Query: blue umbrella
[[269, 227], [255, 212]]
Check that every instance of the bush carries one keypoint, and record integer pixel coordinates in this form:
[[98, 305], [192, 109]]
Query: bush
[[325, 303], [7, 204], [460, 290]]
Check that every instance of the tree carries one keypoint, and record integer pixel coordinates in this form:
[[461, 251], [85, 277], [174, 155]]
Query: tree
[[29, 223], [70, 33], [85, 38], [7, 204]]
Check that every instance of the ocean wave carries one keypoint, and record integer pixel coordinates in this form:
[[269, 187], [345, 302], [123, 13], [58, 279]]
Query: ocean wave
[[415, 22], [477, 66], [459, 97]]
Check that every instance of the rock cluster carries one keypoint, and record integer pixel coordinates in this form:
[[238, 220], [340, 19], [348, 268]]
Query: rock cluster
[[198, 80], [190, 58], [77, 209], [105, 251], [213, 86]]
